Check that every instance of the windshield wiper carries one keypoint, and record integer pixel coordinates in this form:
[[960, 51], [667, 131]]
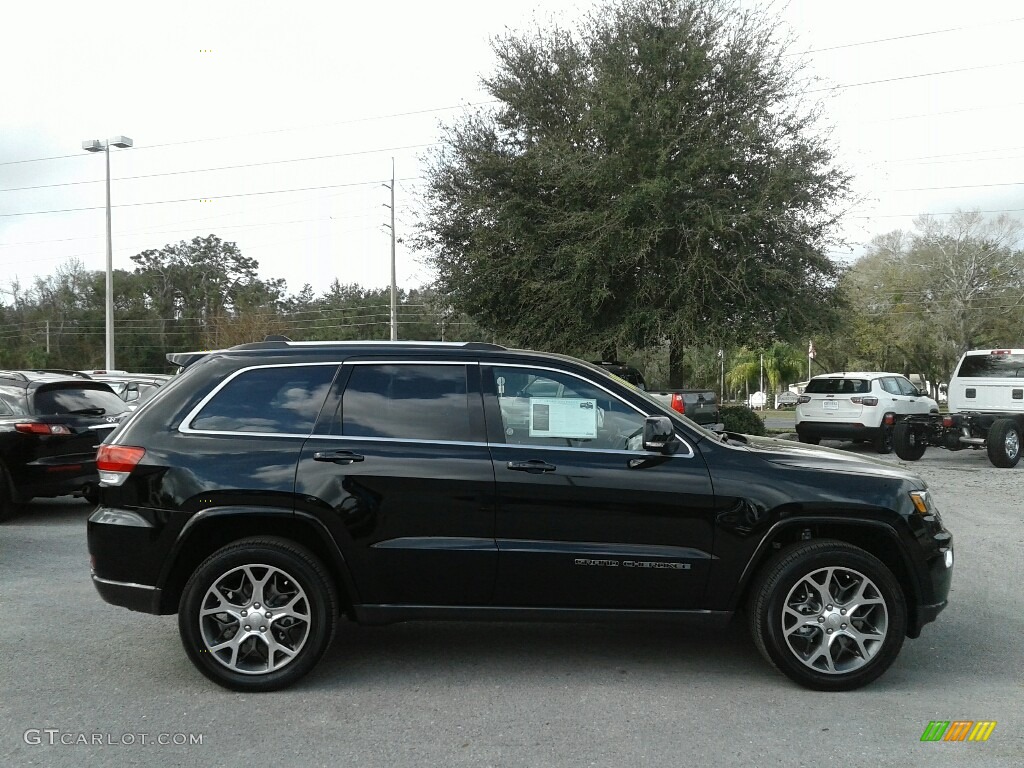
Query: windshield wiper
[[94, 411]]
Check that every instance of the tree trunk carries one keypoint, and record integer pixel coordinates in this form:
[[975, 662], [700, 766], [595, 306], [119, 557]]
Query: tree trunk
[[677, 372]]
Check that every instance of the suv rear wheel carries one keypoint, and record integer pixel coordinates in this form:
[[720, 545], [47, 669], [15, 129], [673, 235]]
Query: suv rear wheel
[[258, 614], [828, 615], [1003, 443]]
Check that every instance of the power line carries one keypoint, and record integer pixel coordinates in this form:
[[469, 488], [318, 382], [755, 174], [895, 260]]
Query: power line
[[915, 77], [934, 213], [391, 116], [212, 197], [907, 37], [193, 199], [225, 167]]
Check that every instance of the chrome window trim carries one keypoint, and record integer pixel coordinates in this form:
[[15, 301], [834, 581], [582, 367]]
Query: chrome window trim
[[184, 427], [486, 445], [690, 451]]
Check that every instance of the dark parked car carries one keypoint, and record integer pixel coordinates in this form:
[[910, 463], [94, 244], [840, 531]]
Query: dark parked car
[[273, 487], [50, 425]]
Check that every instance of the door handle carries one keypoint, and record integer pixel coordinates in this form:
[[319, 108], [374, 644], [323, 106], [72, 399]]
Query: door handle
[[533, 466], [337, 457]]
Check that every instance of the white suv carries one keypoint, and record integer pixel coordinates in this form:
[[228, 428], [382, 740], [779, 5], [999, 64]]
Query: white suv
[[858, 406]]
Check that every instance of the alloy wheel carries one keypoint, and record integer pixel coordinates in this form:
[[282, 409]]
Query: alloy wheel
[[834, 620], [255, 619]]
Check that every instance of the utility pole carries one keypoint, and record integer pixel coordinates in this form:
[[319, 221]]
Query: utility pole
[[394, 287]]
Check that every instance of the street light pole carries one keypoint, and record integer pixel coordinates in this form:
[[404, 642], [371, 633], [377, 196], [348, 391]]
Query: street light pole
[[94, 145], [394, 287], [391, 226]]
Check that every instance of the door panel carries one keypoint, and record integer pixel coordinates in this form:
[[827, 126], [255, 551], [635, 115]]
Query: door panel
[[596, 527], [398, 469]]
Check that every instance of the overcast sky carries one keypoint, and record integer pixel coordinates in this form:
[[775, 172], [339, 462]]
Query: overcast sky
[[923, 97]]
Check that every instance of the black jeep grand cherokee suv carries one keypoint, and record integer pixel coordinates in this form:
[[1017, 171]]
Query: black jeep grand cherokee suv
[[273, 486]]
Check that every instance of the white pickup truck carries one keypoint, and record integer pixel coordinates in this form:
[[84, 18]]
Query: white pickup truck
[[986, 410]]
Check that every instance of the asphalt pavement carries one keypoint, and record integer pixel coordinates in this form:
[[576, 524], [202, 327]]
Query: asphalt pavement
[[83, 683]]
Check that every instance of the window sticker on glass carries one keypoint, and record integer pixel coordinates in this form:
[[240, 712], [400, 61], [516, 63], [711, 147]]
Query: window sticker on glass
[[563, 417]]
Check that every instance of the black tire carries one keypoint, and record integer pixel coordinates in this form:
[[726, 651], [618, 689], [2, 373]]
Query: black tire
[[1003, 443], [808, 440], [908, 443], [882, 443], [8, 504], [793, 577], [256, 577]]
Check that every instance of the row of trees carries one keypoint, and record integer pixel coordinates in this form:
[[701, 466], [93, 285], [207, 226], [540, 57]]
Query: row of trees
[[912, 304], [200, 294]]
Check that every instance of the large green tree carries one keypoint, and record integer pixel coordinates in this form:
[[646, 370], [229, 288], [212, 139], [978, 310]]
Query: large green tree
[[651, 175]]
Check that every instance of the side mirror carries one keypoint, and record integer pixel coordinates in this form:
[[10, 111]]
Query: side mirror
[[658, 433]]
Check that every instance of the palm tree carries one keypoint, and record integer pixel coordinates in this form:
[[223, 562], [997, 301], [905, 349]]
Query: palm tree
[[782, 363], [745, 368]]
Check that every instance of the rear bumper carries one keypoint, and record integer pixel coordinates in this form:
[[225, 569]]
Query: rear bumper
[[57, 476], [135, 597], [836, 430]]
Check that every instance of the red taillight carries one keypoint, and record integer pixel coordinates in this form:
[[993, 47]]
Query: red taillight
[[677, 403], [803, 399], [38, 428], [947, 421], [118, 458], [864, 400]]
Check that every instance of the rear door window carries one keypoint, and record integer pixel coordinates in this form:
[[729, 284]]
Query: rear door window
[[889, 385], [272, 400], [408, 401]]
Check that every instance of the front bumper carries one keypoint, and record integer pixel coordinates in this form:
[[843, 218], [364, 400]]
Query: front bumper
[[939, 578]]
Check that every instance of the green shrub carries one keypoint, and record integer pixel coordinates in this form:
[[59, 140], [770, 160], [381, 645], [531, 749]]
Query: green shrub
[[739, 418]]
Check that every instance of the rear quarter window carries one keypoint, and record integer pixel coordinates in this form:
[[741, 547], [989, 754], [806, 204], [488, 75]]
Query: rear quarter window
[[273, 400], [990, 366]]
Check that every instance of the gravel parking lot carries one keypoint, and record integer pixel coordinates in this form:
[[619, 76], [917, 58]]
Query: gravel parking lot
[[75, 669]]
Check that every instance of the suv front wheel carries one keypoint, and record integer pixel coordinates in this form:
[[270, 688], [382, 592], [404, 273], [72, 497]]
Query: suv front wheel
[[828, 615], [258, 614]]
